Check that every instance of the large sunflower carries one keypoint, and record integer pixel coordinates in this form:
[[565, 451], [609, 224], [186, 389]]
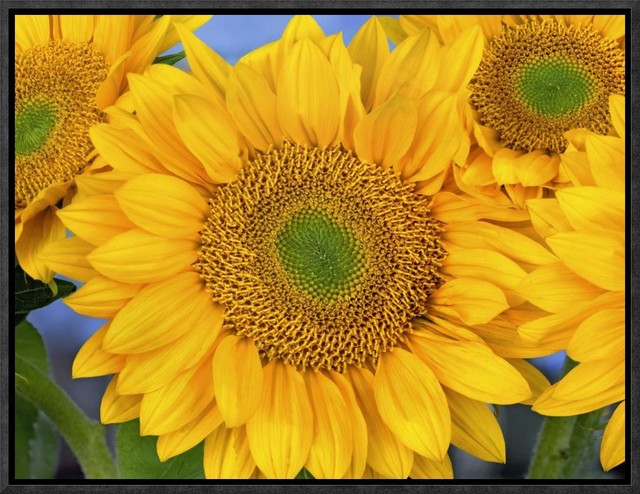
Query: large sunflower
[[540, 77], [585, 228], [68, 69], [289, 272]]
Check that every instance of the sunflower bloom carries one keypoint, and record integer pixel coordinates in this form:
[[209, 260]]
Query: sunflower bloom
[[68, 69], [288, 269], [540, 77], [584, 227]]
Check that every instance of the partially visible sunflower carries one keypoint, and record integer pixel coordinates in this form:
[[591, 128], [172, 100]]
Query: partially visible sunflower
[[585, 227], [289, 271], [540, 77], [68, 69]]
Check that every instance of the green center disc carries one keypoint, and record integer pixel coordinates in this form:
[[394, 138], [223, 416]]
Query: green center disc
[[554, 87], [33, 124], [322, 257]]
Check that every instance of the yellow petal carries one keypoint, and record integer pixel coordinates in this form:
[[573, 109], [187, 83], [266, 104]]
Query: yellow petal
[[148, 47], [139, 257], [68, 257], [101, 297], [483, 235], [148, 371], [597, 258], [115, 408], [462, 59], [475, 429], [484, 265], [37, 235], [600, 336], [156, 315], [546, 404], [210, 134], [613, 440], [32, 30], [190, 434], [424, 468], [386, 454], [575, 166], [590, 378], [536, 379], [479, 373], [112, 35], [385, 134], [472, 301], [190, 22], [412, 68], [77, 28], [281, 430], [252, 105], [555, 287], [96, 219], [370, 49], [308, 97], [163, 205], [606, 157], [206, 64], [617, 109], [238, 380], [111, 88], [357, 424], [547, 217], [227, 454], [592, 208], [178, 403], [453, 208], [412, 404], [92, 361], [332, 444], [100, 183]]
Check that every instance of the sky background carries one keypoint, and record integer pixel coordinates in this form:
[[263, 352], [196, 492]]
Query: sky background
[[64, 331]]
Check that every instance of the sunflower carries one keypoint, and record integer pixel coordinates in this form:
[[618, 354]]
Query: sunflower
[[584, 226], [68, 69], [287, 268], [540, 77]]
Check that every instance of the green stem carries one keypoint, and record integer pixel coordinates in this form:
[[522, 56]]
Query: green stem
[[85, 437], [566, 446]]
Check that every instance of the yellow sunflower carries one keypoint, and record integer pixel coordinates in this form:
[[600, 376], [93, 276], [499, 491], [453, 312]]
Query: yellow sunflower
[[288, 270], [540, 77], [68, 69], [585, 227]]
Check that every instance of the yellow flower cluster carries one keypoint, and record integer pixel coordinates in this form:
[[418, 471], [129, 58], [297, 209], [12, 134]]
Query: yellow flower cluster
[[330, 256]]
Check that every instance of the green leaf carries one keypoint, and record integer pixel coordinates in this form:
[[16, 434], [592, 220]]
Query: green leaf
[[32, 294], [137, 457], [304, 474], [172, 59], [36, 441], [29, 346]]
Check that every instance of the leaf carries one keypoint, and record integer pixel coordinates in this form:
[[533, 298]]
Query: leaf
[[304, 474], [32, 294], [36, 441], [29, 346], [138, 459], [172, 59]]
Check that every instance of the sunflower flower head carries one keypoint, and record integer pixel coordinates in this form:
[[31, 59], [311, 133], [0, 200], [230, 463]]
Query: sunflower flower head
[[68, 69], [539, 78], [289, 270]]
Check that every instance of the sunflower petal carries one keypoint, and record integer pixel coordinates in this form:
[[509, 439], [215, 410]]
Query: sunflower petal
[[331, 448], [613, 440], [411, 402], [547, 404], [227, 454], [592, 208], [136, 329], [281, 430], [101, 297], [386, 454], [308, 97], [474, 428], [189, 435], [92, 361], [590, 378], [600, 336], [112, 35], [424, 468], [68, 256], [536, 379], [463, 57], [32, 30], [238, 379], [115, 408], [480, 375], [485, 265], [606, 157], [37, 236]]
